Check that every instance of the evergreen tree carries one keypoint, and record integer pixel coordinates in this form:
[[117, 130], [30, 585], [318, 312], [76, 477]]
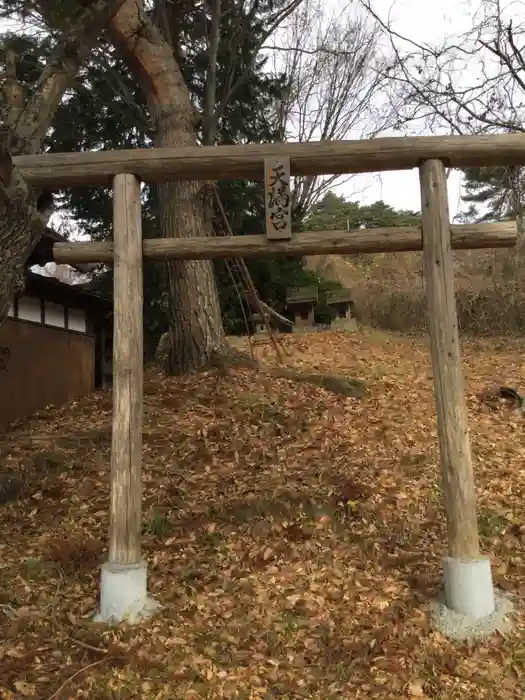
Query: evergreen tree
[[335, 213], [492, 193], [106, 110]]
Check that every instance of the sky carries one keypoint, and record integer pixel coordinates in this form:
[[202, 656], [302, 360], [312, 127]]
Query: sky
[[426, 22]]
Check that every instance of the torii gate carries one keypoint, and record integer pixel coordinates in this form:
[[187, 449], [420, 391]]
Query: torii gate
[[467, 574]]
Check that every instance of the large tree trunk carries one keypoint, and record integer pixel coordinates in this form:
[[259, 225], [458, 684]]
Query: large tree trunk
[[27, 123], [20, 230], [196, 330]]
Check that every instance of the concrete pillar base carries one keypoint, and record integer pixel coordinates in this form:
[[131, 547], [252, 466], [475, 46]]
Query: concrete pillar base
[[468, 587], [123, 594]]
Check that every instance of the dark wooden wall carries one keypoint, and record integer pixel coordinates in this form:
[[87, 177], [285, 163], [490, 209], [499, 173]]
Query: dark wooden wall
[[41, 365]]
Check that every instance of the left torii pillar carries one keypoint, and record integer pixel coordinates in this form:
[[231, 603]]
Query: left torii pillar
[[123, 590]]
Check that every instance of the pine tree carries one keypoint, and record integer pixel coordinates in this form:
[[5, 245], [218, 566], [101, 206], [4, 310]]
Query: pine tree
[[492, 193], [335, 213], [106, 110]]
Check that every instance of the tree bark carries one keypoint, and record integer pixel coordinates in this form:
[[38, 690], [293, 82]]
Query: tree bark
[[196, 331], [20, 230], [210, 92], [26, 124]]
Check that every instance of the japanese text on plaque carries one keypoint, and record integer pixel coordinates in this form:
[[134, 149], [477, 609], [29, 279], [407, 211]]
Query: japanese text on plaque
[[278, 199]]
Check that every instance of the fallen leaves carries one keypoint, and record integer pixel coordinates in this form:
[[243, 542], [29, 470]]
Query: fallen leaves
[[415, 689], [28, 690], [293, 536]]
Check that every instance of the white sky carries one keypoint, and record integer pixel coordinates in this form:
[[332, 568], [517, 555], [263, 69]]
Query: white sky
[[425, 22]]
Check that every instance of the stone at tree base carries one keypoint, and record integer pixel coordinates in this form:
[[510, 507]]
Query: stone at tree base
[[11, 484], [345, 324], [161, 353], [225, 356]]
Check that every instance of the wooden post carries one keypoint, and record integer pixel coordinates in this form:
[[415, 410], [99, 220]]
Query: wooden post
[[126, 446], [452, 423], [278, 198]]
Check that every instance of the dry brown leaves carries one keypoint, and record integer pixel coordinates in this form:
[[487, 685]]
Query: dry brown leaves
[[293, 536]]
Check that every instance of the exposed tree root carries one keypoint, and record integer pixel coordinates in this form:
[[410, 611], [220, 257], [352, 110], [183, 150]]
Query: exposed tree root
[[230, 359]]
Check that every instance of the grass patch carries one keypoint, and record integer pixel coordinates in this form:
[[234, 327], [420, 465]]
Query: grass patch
[[491, 524], [34, 569], [48, 463], [157, 525]]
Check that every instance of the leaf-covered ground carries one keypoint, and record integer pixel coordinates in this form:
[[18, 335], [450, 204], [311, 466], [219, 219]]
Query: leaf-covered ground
[[293, 536]]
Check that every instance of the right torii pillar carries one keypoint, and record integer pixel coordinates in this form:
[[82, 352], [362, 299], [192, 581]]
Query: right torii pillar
[[468, 580]]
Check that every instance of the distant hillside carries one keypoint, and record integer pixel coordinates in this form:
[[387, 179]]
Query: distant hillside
[[388, 288], [389, 292]]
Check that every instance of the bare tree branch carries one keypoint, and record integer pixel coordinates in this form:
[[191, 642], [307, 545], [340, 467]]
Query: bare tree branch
[[473, 83], [210, 122], [439, 83], [335, 75], [309, 52], [272, 24]]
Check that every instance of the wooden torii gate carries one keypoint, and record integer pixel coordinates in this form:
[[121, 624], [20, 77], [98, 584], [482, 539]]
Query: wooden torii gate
[[468, 580]]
